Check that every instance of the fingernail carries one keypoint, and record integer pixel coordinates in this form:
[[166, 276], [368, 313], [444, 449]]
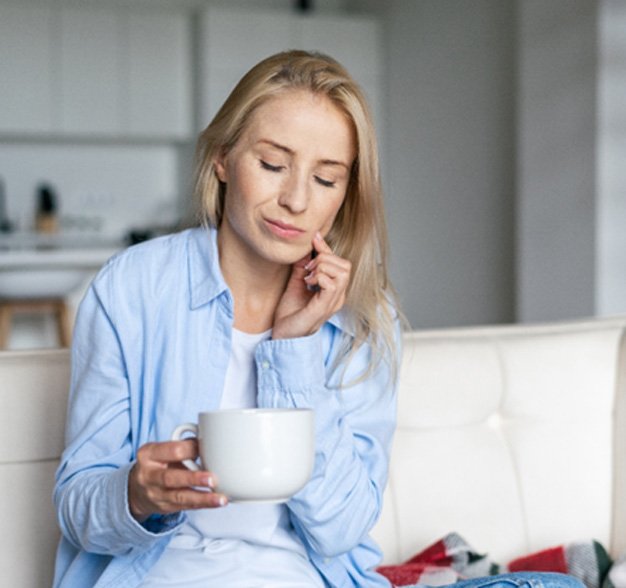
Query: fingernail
[[209, 481], [223, 501], [318, 236], [308, 276]]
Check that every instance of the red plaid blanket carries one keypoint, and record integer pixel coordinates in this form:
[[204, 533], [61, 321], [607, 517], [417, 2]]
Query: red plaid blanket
[[452, 558]]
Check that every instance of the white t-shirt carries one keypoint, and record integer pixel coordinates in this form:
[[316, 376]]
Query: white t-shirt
[[240, 545]]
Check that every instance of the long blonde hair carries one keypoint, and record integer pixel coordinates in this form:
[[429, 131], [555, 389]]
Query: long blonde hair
[[359, 232]]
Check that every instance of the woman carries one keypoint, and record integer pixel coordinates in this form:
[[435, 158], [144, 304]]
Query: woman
[[279, 299]]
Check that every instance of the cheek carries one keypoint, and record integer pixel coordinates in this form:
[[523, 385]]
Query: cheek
[[328, 214], [249, 186], [239, 191], [236, 206]]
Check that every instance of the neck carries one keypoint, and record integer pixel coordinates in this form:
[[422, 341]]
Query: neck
[[255, 283]]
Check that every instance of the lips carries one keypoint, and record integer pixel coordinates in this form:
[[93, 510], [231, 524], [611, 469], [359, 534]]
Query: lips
[[282, 229]]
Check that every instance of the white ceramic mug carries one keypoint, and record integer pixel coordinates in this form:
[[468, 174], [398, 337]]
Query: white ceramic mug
[[257, 454]]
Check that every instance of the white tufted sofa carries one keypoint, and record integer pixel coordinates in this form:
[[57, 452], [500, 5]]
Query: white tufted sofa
[[513, 436]]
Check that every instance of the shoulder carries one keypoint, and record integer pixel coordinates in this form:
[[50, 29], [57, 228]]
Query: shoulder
[[362, 349], [151, 254], [348, 325], [146, 268]]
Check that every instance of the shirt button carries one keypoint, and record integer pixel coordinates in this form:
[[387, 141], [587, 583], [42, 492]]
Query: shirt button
[[265, 365]]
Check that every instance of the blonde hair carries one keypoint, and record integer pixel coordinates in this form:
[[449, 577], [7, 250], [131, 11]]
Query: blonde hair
[[359, 232]]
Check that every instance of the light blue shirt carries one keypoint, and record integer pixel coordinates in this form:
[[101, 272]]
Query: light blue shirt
[[151, 347]]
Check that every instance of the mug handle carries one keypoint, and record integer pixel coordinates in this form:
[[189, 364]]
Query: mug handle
[[177, 435]]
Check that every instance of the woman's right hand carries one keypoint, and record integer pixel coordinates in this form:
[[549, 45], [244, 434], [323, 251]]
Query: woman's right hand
[[159, 484]]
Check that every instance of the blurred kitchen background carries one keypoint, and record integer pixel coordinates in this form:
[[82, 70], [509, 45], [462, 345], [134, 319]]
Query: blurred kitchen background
[[502, 126]]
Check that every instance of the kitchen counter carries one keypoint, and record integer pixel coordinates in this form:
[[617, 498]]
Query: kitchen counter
[[92, 257], [50, 266], [62, 248]]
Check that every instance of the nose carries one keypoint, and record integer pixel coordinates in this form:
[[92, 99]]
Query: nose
[[294, 194]]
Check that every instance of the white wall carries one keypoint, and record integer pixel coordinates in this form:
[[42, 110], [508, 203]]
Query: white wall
[[572, 154], [506, 135], [450, 159], [611, 160], [556, 228]]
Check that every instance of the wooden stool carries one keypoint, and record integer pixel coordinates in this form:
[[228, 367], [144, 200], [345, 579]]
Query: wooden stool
[[55, 306]]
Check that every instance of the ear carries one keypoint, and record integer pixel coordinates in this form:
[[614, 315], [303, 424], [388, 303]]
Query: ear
[[220, 168]]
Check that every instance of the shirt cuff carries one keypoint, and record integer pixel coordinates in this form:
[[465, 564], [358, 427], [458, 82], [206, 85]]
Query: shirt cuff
[[155, 526], [296, 365]]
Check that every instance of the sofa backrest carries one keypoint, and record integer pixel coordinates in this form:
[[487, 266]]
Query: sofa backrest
[[506, 435], [513, 437], [33, 397]]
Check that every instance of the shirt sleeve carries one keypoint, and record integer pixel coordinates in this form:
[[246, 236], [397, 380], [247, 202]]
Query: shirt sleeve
[[91, 492], [354, 429]]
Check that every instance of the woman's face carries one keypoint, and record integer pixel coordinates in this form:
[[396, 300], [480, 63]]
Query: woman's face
[[286, 177]]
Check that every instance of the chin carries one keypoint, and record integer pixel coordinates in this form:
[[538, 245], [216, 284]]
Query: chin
[[284, 254], [286, 259]]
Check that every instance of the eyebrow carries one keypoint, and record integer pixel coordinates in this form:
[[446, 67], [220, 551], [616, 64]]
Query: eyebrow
[[291, 152]]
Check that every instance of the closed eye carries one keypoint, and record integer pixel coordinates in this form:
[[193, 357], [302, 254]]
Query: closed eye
[[323, 182], [270, 167]]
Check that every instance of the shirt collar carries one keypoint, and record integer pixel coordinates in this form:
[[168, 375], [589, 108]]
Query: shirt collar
[[205, 277], [206, 281], [343, 322]]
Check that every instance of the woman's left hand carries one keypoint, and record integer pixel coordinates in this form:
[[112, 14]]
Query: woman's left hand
[[315, 291]]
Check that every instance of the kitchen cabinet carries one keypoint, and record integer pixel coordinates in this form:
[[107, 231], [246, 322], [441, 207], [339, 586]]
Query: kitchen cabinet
[[159, 75], [232, 41], [91, 82], [26, 65], [95, 71], [355, 42]]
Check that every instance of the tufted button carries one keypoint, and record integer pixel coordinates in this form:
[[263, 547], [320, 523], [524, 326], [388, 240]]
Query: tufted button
[[265, 364]]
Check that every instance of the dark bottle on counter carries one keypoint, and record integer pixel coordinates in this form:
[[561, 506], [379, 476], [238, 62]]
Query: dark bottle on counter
[[46, 220], [5, 225]]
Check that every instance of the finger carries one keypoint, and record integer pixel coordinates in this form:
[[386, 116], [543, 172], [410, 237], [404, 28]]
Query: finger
[[328, 258], [296, 283], [339, 273], [333, 266], [329, 297], [323, 253], [318, 281], [332, 297], [188, 499], [159, 488], [320, 245], [170, 478], [169, 451]]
